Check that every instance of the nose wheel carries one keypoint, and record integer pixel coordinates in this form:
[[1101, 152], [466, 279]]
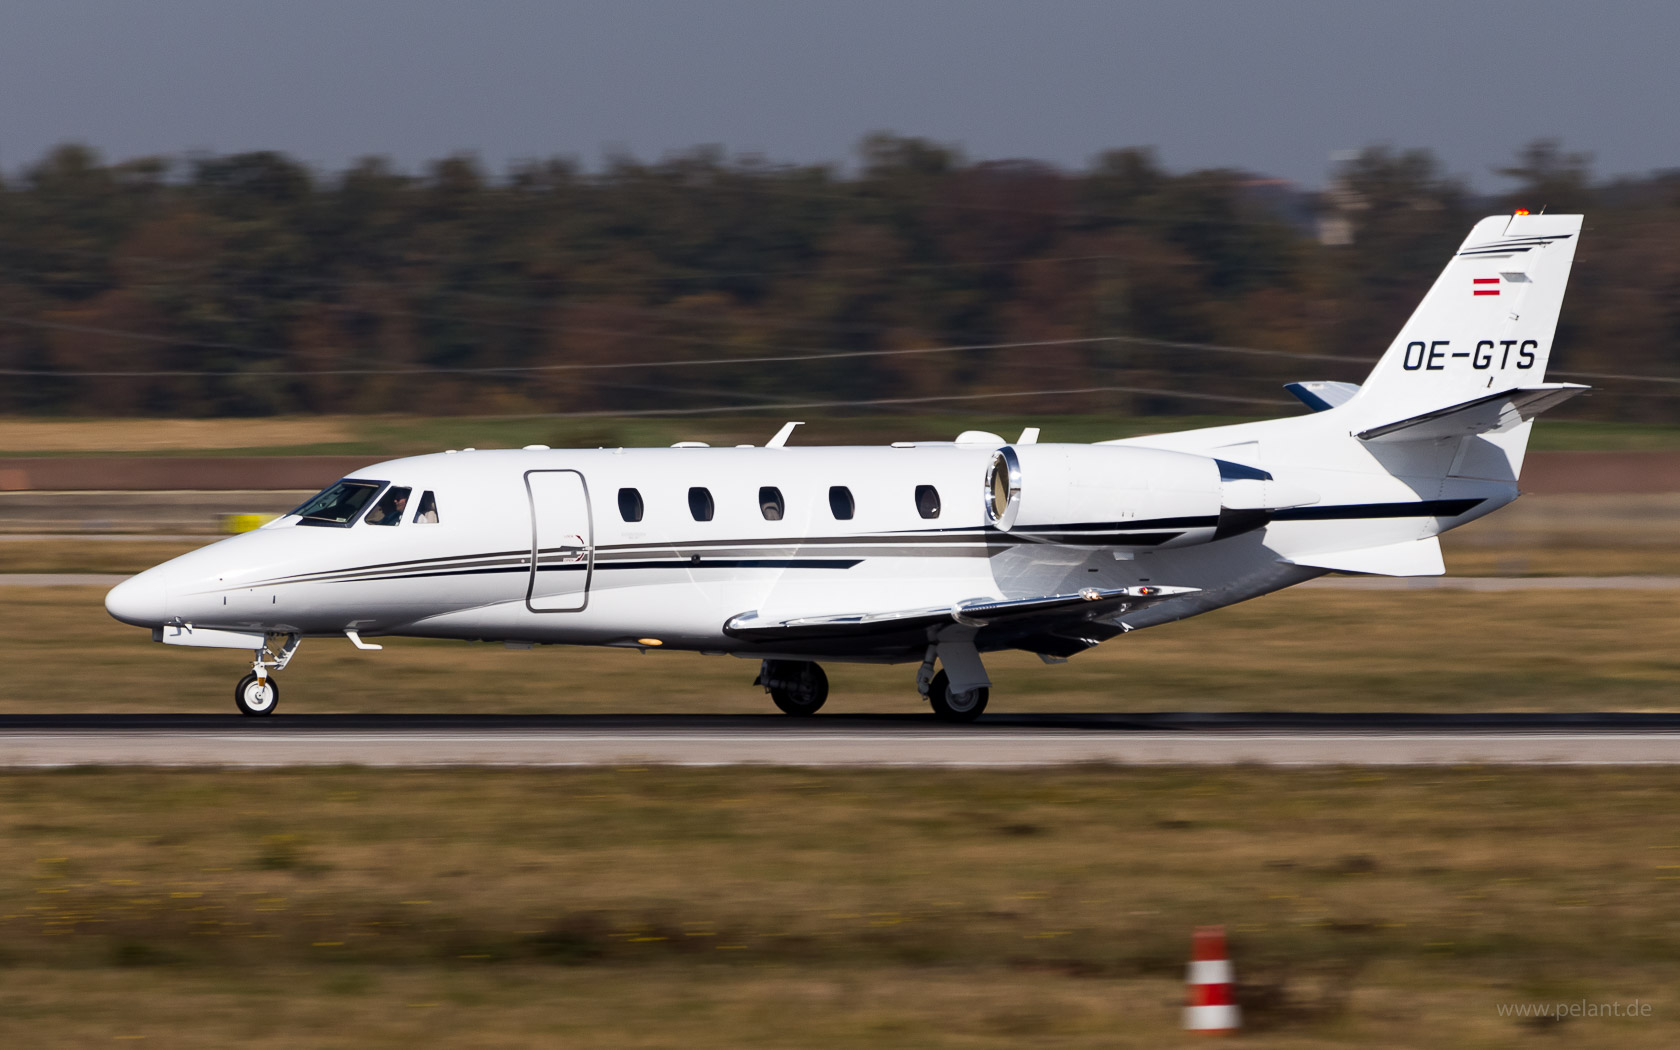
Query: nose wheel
[[257, 696]]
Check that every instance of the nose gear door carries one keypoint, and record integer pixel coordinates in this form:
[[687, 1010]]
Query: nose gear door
[[562, 541]]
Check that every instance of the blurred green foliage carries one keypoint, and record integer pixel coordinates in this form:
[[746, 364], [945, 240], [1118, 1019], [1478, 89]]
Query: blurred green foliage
[[259, 286]]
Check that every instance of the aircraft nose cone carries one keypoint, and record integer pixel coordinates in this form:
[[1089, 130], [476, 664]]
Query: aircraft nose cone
[[140, 600]]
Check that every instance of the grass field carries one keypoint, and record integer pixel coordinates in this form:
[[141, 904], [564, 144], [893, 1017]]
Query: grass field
[[1304, 650], [407, 435], [700, 908]]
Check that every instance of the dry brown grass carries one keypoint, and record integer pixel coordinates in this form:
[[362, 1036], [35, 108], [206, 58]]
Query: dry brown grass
[[79, 555], [649, 907], [1301, 650], [34, 436]]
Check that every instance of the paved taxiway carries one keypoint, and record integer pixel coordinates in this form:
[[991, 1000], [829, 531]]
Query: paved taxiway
[[699, 740]]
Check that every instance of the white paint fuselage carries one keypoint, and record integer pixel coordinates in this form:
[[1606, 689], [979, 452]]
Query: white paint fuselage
[[679, 581]]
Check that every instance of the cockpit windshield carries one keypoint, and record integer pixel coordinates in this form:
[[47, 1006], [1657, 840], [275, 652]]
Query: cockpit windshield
[[338, 504]]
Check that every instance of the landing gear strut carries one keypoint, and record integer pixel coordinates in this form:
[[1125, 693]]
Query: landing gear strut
[[258, 693], [798, 687]]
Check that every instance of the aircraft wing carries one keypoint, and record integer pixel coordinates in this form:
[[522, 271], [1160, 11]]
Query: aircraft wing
[[1063, 623]]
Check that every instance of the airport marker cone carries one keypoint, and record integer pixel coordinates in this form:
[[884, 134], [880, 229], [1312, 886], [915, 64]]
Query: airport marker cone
[[1212, 1003]]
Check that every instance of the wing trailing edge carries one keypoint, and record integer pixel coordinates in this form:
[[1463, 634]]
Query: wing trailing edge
[[1090, 603]]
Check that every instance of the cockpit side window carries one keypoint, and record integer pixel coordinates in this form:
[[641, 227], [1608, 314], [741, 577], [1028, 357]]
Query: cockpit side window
[[339, 503], [427, 514], [389, 510]]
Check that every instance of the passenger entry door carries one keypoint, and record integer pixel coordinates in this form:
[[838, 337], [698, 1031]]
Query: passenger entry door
[[562, 541]]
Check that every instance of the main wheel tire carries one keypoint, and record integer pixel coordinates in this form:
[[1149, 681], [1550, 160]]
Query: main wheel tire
[[956, 707], [798, 687], [256, 698]]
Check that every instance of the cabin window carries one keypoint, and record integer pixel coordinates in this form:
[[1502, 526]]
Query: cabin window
[[390, 508], [700, 503], [630, 504], [770, 503], [338, 503], [840, 502], [927, 501]]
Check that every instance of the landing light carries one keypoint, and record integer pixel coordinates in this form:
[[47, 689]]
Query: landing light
[[649, 641]]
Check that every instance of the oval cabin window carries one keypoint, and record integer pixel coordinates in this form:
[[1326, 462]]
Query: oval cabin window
[[770, 503], [927, 501], [840, 502], [700, 504], [630, 504]]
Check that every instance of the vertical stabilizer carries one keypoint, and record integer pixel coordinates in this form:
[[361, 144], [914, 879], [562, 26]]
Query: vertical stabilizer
[[1486, 326]]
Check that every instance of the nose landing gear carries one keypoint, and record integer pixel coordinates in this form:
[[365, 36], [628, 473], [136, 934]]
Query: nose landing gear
[[258, 693], [256, 696]]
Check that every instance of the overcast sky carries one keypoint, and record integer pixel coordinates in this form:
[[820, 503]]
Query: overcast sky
[[1274, 87]]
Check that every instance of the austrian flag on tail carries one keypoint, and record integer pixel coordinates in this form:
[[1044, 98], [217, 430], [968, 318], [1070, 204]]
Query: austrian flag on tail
[[1484, 286]]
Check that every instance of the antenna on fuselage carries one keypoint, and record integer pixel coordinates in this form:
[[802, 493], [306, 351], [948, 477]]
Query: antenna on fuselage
[[782, 435]]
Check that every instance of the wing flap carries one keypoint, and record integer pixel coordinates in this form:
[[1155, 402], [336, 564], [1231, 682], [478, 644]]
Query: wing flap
[[1090, 603]]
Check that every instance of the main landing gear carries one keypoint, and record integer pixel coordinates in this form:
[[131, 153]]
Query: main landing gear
[[799, 687], [965, 701], [956, 705], [258, 693]]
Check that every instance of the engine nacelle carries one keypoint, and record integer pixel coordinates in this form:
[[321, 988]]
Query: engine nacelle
[[1105, 495]]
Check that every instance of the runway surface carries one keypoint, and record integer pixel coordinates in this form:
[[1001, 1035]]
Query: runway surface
[[1002, 741]]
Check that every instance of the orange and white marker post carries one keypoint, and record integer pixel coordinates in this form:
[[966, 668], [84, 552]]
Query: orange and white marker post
[[1212, 1005]]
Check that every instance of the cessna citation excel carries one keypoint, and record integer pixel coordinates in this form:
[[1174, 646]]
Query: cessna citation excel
[[930, 554]]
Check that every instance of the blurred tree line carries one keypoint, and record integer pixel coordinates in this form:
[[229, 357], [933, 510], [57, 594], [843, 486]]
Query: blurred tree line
[[248, 284]]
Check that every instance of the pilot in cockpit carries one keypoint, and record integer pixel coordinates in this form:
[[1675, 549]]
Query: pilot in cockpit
[[389, 511]]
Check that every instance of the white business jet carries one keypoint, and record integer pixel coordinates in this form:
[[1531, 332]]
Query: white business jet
[[929, 553]]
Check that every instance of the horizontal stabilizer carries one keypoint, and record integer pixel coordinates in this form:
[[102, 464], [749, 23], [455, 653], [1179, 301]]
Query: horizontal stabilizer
[[1411, 558], [1479, 416], [1091, 603], [1322, 394]]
